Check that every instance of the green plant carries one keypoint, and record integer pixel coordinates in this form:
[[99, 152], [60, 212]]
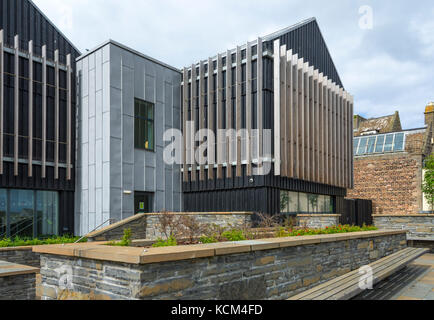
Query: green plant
[[428, 181], [170, 242], [24, 242], [126, 240], [234, 235], [207, 239]]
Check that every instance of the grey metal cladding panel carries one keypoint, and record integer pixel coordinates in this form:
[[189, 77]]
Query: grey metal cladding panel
[[150, 88], [115, 67], [128, 140], [159, 124], [150, 179], [168, 104], [128, 91]]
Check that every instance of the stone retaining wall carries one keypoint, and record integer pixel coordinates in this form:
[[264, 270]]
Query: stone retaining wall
[[147, 225], [20, 255], [17, 282], [318, 221], [271, 269], [420, 226]]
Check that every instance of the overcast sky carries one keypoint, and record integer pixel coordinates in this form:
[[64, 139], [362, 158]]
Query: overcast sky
[[387, 68]]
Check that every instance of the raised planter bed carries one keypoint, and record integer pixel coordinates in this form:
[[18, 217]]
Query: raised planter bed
[[260, 269]]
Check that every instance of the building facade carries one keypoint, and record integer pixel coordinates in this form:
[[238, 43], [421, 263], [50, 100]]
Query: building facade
[[37, 121], [126, 102], [286, 84], [388, 164]]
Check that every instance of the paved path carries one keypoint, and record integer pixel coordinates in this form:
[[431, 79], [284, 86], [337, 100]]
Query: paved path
[[416, 282]]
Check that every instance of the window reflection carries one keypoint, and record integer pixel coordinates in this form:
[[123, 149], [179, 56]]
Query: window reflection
[[295, 202]]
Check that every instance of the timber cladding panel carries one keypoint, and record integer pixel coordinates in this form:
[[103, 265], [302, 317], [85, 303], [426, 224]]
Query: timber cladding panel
[[310, 117]]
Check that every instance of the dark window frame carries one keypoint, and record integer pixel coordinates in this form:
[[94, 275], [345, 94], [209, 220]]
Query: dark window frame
[[147, 122]]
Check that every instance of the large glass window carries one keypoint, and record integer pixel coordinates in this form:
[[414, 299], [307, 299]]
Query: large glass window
[[21, 213], [297, 202], [47, 213], [392, 142], [144, 113], [28, 213], [388, 146]]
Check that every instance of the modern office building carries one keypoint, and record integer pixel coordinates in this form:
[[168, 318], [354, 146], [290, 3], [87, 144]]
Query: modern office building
[[127, 101], [287, 83], [37, 122], [81, 136]]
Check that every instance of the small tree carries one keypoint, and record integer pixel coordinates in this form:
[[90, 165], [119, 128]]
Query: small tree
[[428, 181]]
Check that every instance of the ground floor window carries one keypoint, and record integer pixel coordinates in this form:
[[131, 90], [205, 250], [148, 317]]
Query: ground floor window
[[143, 202], [28, 213], [298, 202]]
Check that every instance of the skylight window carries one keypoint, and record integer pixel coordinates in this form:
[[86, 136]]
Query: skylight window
[[376, 144]]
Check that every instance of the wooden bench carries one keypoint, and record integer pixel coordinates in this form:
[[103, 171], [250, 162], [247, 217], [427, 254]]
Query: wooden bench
[[347, 286]]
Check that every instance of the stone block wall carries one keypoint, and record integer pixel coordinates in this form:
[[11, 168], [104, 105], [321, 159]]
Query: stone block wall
[[21, 255], [420, 227], [147, 225], [272, 269], [393, 182], [318, 221], [18, 287]]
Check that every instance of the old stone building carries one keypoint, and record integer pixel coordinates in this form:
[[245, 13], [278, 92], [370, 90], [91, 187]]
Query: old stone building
[[388, 163]]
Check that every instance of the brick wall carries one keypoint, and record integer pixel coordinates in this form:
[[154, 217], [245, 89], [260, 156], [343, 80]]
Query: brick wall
[[18, 287], [392, 182], [21, 255], [318, 221]]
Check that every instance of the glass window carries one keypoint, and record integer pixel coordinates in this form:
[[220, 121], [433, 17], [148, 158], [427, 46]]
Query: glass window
[[21, 213], [314, 205], [303, 203], [3, 206], [47, 213], [388, 146], [288, 202], [380, 144], [356, 145], [371, 144], [399, 142], [144, 114], [362, 146]]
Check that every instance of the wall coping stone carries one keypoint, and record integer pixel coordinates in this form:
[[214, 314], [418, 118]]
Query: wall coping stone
[[8, 269], [402, 215], [134, 255], [318, 215], [96, 233]]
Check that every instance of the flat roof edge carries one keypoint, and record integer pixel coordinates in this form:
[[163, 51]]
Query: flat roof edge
[[124, 47]]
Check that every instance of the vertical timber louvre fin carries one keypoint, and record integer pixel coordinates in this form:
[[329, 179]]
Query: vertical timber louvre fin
[[249, 109], [56, 115], [260, 110], [69, 117], [276, 56], [44, 112], [229, 124], [30, 146], [239, 114], [193, 119], [201, 117], [184, 124], [16, 102], [283, 116], [219, 112], [210, 143], [289, 115], [2, 97]]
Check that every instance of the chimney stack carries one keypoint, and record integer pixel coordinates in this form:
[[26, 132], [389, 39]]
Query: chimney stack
[[429, 114]]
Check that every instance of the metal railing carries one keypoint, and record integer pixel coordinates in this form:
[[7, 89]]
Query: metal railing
[[102, 224]]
